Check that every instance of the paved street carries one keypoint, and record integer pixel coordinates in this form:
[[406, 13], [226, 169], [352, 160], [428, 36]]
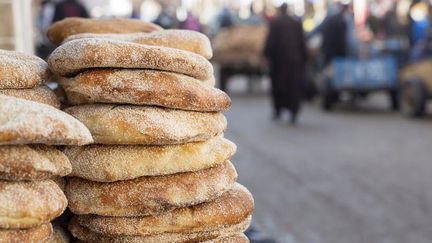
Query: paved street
[[362, 176]]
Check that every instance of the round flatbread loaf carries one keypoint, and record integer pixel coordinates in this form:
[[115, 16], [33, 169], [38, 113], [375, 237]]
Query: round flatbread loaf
[[28, 204], [108, 163], [149, 195], [187, 40], [32, 162], [40, 233], [232, 208], [41, 94], [81, 54], [69, 26], [21, 71], [216, 236], [145, 125], [25, 122], [144, 87], [236, 238]]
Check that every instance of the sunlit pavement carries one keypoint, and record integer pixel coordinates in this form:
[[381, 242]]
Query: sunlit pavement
[[362, 175]]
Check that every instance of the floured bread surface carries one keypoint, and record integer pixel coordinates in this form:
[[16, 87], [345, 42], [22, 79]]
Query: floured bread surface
[[20, 71], [149, 195], [69, 26], [107, 163], [144, 87], [125, 124], [226, 234], [40, 233], [25, 122], [28, 204], [187, 40], [232, 208], [32, 162], [41, 94], [235, 238], [81, 54]]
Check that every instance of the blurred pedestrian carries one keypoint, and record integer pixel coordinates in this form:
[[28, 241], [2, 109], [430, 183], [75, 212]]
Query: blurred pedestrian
[[69, 8], [43, 22], [254, 18], [191, 22], [225, 18], [285, 50], [166, 18], [334, 36]]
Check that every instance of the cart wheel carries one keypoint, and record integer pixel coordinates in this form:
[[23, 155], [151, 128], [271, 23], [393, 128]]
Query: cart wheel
[[329, 96], [413, 98], [394, 99]]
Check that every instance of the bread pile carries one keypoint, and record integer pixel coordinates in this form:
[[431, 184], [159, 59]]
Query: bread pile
[[29, 167], [159, 170]]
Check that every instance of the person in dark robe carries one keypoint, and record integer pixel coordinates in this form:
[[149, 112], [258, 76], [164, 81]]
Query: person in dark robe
[[285, 50], [69, 8], [334, 36]]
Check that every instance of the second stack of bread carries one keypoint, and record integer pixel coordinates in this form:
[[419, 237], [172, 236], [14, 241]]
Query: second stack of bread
[[31, 169], [160, 168]]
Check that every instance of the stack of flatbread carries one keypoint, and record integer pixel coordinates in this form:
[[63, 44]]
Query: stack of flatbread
[[31, 169], [159, 170]]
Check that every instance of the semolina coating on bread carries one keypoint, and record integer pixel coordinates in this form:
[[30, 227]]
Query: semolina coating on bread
[[146, 125], [108, 163], [144, 87], [149, 195], [32, 162], [60, 30], [231, 208], [40, 233], [27, 122], [78, 55], [26, 204], [40, 94], [228, 234], [186, 40], [21, 71]]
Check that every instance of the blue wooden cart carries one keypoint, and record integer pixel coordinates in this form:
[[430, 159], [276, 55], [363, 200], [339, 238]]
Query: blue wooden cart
[[358, 77]]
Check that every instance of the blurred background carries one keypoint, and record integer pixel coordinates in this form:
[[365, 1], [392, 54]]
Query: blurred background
[[330, 105]]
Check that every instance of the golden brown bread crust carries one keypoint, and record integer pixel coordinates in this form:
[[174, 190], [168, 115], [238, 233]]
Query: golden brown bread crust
[[41, 94], [40, 233], [232, 208], [236, 238], [81, 54], [108, 163], [179, 39], [213, 236], [69, 26], [27, 204], [144, 87], [20, 71], [145, 125], [25, 122], [32, 162], [149, 195]]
